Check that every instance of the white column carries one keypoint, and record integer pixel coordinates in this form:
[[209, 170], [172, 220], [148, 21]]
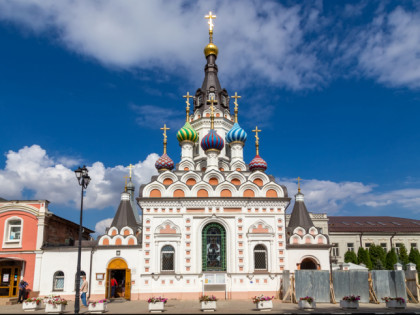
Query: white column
[[237, 152], [212, 160], [187, 151], [40, 232], [37, 271]]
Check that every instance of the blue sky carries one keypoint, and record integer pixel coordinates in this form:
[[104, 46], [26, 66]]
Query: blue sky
[[333, 85]]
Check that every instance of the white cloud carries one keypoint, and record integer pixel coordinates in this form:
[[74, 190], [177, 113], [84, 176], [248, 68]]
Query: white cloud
[[32, 169], [388, 49], [257, 40], [102, 225]]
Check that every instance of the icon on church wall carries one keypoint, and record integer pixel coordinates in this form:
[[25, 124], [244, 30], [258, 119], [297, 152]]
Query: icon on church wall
[[213, 250]]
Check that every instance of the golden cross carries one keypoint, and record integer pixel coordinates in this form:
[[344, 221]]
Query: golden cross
[[256, 133], [212, 102], [236, 96], [210, 17], [125, 187], [131, 166], [299, 179], [257, 144], [164, 131], [188, 96]]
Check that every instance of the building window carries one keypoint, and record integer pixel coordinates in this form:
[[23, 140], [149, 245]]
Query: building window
[[320, 230], [413, 245], [58, 281], [13, 230], [260, 257], [167, 258], [397, 248], [335, 251], [367, 245], [214, 248], [383, 245], [350, 247]]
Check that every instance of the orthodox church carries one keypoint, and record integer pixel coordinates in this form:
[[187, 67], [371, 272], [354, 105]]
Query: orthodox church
[[210, 224]]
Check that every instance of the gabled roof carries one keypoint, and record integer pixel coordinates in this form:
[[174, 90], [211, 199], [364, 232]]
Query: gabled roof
[[372, 224], [125, 215], [300, 215]]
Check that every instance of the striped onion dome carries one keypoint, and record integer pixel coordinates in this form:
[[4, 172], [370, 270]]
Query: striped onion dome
[[257, 164], [212, 141], [164, 163], [236, 134], [187, 133]]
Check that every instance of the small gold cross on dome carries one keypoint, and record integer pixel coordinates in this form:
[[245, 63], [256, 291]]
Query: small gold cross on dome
[[188, 96], [164, 131], [130, 167], [125, 187], [210, 17], [236, 96], [299, 179], [256, 130]]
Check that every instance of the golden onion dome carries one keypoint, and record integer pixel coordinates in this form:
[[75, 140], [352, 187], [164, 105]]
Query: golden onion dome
[[210, 49]]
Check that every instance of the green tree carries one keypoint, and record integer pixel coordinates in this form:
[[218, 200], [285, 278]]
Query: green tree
[[363, 257], [403, 255], [350, 256], [414, 257], [391, 259], [377, 252], [378, 265]]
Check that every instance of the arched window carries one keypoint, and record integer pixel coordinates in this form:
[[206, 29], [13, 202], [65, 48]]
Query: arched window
[[58, 281], [167, 258], [260, 257], [13, 230], [214, 248]]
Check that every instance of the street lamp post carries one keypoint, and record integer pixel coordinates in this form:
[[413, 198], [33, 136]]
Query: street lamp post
[[84, 179]]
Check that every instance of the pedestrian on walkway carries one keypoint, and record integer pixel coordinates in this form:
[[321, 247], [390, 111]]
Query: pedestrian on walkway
[[84, 288], [22, 290], [114, 285]]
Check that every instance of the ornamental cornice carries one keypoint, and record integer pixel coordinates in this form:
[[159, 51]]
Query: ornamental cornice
[[213, 202]]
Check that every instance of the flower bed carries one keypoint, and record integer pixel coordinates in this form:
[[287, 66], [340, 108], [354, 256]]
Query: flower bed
[[32, 304], [208, 303], [350, 302], [264, 303], [157, 304], [97, 307], [55, 304], [307, 302], [397, 302]]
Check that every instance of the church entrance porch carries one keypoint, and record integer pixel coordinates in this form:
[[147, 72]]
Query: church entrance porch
[[118, 269]]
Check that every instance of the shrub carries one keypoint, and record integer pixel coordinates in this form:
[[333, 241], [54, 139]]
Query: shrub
[[391, 259], [351, 257], [363, 257]]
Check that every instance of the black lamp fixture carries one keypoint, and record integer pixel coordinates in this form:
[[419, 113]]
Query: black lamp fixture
[[84, 180]]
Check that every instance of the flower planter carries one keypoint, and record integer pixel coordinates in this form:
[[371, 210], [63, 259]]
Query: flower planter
[[265, 305], [156, 307], [305, 305], [349, 304], [31, 306], [97, 308], [55, 308], [208, 306], [396, 304]]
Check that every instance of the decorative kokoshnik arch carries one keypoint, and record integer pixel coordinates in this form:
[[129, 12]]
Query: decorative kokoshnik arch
[[213, 256]]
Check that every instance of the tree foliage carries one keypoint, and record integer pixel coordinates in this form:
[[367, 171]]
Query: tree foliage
[[403, 255], [414, 257], [350, 257], [363, 257], [376, 252], [391, 259]]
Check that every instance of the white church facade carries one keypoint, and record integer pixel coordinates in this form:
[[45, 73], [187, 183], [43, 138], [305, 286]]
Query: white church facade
[[211, 224]]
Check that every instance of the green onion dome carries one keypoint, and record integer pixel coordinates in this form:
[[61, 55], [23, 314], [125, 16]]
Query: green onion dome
[[187, 133]]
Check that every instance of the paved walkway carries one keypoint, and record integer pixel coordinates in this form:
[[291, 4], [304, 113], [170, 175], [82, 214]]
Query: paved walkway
[[223, 307]]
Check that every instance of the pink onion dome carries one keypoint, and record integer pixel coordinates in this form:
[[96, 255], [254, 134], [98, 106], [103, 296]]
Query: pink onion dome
[[164, 163], [257, 164], [212, 141]]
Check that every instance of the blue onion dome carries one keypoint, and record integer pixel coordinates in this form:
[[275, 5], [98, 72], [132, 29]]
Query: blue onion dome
[[187, 133], [164, 163], [257, 164], [212, 141], [236, 134]]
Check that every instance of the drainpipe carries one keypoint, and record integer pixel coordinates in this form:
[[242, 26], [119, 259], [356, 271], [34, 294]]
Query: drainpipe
[[90, 270], [361, 235], [390, 240]]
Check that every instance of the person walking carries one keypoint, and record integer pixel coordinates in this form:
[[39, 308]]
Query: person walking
[[22, 290], [114, 285], [84, 289]]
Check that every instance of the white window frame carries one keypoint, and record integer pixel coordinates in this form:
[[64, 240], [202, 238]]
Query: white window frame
[[173, 258], [7, 242], [335, 250], [266, 257], [350, 248], [54, 289]]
